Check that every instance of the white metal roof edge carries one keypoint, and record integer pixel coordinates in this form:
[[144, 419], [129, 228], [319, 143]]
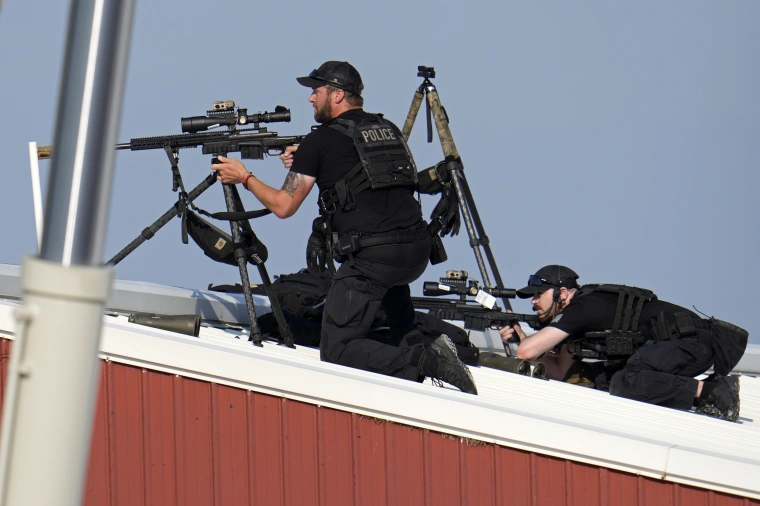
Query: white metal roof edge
[[713, 472], [281, 372]]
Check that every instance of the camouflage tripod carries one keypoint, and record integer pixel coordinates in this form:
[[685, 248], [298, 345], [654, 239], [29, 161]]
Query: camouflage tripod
[[472, 221]]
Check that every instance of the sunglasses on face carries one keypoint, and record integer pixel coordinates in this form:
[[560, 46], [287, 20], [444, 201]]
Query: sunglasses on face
[[534, 280]]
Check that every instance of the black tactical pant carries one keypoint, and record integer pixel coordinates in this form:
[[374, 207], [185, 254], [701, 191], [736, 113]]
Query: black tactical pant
[[379, 274], [663, 373]]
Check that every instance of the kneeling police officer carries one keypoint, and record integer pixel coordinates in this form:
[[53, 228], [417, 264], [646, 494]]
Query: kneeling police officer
[[653, 350], [372, 223]]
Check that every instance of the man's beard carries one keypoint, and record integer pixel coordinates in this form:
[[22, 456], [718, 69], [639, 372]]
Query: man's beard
[[545, 317], [324, 113]]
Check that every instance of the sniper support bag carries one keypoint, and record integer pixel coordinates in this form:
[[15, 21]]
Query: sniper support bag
[[729, 344], [218, 245]]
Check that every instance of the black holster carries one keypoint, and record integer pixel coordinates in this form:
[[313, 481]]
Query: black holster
[[437, 250]]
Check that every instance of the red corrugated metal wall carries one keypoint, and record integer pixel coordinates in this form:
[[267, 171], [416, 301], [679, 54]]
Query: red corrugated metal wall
[[166, 440]]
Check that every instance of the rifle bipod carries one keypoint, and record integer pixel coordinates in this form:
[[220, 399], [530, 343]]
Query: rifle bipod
[[473, 224], [237, 226]]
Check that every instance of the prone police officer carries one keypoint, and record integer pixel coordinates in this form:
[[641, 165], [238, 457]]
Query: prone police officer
[[653, 349], [372, 225]]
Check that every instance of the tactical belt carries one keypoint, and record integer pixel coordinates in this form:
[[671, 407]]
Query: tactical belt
[[352, 242]]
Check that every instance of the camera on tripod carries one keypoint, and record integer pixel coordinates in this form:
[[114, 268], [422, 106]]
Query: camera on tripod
[[426, 72]]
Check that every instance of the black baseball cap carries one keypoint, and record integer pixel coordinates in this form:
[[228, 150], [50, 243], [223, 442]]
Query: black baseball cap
[[340, 74], [550, 276]]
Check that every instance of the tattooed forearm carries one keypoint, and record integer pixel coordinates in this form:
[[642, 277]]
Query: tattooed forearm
[[292, 181]]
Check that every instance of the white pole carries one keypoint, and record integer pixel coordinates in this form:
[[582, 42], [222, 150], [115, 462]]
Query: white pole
[[54, 366], [36, 192]]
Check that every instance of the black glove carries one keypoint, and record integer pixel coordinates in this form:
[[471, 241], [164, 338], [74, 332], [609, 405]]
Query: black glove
[[316, 247], [448, 210], [316, 253]]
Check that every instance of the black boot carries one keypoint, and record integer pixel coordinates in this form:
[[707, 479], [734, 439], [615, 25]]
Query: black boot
[[721, 400], [440, 361]]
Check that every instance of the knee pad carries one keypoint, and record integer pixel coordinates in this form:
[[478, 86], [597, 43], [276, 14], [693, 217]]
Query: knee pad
[[622, 381]]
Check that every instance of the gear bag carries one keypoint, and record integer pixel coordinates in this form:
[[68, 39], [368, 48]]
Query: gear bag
[[729, 344], [302, 293], [305, 332], [218, 245]]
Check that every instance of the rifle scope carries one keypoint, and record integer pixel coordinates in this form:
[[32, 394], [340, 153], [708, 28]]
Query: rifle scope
[[216, 119], [509, 293], [434, 289]]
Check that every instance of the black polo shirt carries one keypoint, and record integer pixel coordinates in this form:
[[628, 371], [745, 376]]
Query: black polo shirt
[[595, 312], [328, 155]]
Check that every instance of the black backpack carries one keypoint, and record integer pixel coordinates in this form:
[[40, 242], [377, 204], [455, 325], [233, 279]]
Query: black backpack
[[301, 296], [302, 293], [729, 344]]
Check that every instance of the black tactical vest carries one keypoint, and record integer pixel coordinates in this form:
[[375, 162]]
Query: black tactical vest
[[629, 304], [624, 338], [385, 160]]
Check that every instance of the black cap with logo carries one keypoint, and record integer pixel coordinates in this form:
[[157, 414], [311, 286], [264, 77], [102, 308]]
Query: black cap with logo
[[551, 276], [340, 74]]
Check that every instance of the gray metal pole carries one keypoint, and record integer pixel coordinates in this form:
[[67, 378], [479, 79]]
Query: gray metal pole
[[53, 372], [89, 104]]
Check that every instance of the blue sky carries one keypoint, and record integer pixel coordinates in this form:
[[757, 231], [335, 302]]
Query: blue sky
[[618, 138]]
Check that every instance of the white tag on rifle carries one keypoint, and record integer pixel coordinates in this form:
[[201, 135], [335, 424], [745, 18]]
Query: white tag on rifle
[[485, 299], [445, 288]]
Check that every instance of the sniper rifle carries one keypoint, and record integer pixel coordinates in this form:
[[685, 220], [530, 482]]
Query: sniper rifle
[[479, 315], [252, 143]]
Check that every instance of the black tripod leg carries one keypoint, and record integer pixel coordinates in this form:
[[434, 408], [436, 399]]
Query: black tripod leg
[[470, 226], [484, 241], [287, 338], [150, 231], [452, 160], [242, 262], [464, 196]]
